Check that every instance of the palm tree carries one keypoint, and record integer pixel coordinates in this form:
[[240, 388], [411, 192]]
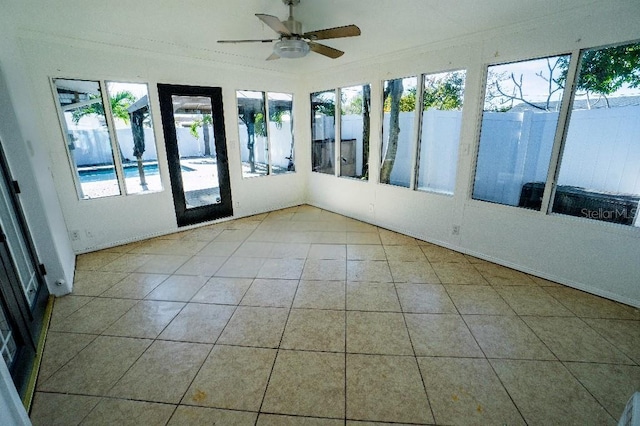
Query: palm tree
[[203, 122]]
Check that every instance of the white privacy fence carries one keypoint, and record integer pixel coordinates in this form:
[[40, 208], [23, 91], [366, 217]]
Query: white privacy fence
[[281, 139]]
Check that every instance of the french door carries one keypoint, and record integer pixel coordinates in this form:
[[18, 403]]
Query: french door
[[193, 126], [23, 294]]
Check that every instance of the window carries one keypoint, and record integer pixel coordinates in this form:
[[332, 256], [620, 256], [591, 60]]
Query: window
[[521, 111], [599, 176], [93, 136], [323, 132], [442, 99], [398, 131], [355, 125], [266, 145]]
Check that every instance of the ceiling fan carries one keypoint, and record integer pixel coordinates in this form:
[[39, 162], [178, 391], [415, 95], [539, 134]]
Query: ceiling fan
[[293, 43]]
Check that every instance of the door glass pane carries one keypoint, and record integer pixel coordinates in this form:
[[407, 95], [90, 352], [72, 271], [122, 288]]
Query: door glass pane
[[398, 131], [17, 245], [281, 132], [442, 96], [198, 166], [323, 132], [134, 132], [355, 131], [521, 108], [600, 168], [252, 130], [87, 136], [7, 342]]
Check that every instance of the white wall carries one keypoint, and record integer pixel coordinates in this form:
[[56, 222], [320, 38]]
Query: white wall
[[597, 257]]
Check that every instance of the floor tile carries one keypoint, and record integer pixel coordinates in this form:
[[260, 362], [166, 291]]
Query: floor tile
[[507, 337], [197, 322], [368, 270], [255, 326], [328, 251], [146, 320], [234, 235], [128, 262], [441, 335], [570, 339], [359, 226], [386, 388], [424, 298], [404, 253], [59, 409], [366, 252], [59, 349], [203, 416], [163, 373], [413, 272], [500, 275], [254, 249], [478, 300], [623, 334], [372, 296], [122, 412], [64, 306], [283, 420], [232, 377], [205, 233], [307, 384], [240, 267], [458, 273], [320, 295], [589, 306], [220, 248], [324, 270], [135, 286], [163, 263], [436, 253], [287, 269], [94, 261], [95, 316], [226, 291], [290, 250], [315, 330], [377, 333], [546, 393], [178, 288], [94, 283], [532, 300], [274, 293], [467, 391], [97, 367], [363, 238], [205, 266], [393, 238]]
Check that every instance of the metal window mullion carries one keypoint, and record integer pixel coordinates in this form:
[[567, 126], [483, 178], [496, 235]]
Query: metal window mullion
[[561, 133], [113, 139], [417, 131], [338, 133], [265, 97]]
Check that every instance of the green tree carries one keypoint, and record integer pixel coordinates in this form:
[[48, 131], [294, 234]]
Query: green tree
[[444, 93], [203, 122], [393, 93], [120, 102]]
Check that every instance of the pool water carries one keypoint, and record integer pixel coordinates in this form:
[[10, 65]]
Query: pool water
[[101, 174]]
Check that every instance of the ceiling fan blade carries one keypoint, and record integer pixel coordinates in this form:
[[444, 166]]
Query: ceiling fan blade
[[337, 32], [248, 41], [325, 50], [273, 57], [274, 23]]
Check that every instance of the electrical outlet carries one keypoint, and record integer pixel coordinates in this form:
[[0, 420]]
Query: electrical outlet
[[371, 207], [75, 235], [455, 230]]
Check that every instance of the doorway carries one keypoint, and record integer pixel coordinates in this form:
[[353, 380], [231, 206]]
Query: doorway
[[23, 293], [193, 126]]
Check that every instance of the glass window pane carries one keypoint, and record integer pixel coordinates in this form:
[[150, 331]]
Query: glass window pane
[[398, 131], [599, 174], [355, 131], [281, 132], [253, 133], [323, 130], [443, 96], [134, 132], [196, 146], [88, 138], [519, 123]]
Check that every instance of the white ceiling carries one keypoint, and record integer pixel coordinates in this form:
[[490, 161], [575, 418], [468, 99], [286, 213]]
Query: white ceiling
[[191, 27]]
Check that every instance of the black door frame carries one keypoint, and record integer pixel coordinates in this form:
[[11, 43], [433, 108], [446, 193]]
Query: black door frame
[[189, 216], [26, 321]]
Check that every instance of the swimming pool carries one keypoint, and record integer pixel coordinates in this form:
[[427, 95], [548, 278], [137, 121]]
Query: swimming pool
[[104, 173]]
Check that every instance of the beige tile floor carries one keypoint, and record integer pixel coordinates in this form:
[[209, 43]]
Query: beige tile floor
[[305, 317]]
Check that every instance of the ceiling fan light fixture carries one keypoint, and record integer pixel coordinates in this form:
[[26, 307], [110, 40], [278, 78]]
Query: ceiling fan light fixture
[[291, 48]]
